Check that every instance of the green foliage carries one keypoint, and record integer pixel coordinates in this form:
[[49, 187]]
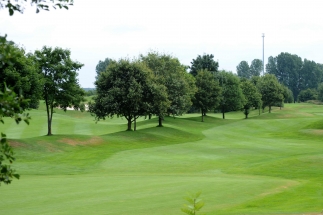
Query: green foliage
[[18, 6], [308, 94], [243, 70], [10, 105], [232, 98], [195, 204], [208, 92], [252, 96], [180, 86], [125, 89], [20, 74], [102, 66], [256, 67], [60, 86], [205, 62], [271, 91], [288, 95], [320, 92]]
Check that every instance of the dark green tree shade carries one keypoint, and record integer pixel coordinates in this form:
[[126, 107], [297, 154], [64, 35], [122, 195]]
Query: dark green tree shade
[[21, 75], [271, 91], [125, 89], [204, 62], [232, 98], [180, 86], [208, 92], [60, 87], [252, 96]]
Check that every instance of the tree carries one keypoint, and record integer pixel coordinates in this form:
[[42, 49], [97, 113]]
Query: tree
[[101, 67], [243, 70], [21, 75], [255, 67], [61, 87], [125, 89], [208, 92], [287, 68], [180, 86], [232, 98], [311, 74], [18, 6], [288, 95], [308, 94], [204, 62], [10, 106], [252, 96], [271, 91]]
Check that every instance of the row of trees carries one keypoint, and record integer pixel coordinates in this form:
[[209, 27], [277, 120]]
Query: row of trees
[[158, 84], [302, 77]]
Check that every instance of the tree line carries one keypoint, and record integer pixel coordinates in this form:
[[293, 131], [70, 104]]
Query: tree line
[[302, 77], [158, 84]]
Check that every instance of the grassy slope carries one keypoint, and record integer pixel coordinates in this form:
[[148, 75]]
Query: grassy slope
[[268, 164]]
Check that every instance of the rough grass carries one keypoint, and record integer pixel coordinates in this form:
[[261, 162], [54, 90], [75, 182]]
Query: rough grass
[[267, 164]]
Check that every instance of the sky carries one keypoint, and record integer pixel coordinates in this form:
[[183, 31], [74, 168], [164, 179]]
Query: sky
[[231, 30]]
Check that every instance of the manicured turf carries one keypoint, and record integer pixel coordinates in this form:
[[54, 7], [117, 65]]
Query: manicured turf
[[267, 164]]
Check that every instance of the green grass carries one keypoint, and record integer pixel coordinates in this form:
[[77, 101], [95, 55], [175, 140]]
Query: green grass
[[267, 164]]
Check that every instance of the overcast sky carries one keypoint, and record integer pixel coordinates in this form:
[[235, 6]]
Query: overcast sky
[[231, 30]]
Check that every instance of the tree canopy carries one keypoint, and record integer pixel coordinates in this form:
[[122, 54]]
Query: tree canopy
[[125, 89], [208, 92], [243, 70], [204, 62], [102, 66]]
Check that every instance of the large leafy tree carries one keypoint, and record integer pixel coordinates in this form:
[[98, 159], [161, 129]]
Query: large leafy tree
[[180, 86], [208, 92], [232, 98], [243, 70], [320, 92], [271, 91], [19, 5], [21, 76], [206, 61], [252, 96], [102, 66], [125, 89], [61, 87]]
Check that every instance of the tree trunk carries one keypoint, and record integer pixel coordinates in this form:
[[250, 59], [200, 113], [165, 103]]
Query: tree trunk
[[223, 117], [160, 122], [150, 116], [202, 116], [269, 109], [129, 124], [135, 124], [49, 118]]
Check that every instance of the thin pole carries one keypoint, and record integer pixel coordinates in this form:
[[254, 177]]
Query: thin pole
[[263, 54]]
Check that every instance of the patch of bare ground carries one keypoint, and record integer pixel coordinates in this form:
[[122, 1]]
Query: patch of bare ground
[[16, 144], [48, 146], [279, 189], [74, 142], [313, 131]]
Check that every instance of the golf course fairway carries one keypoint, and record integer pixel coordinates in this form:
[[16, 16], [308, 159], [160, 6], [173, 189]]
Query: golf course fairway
[[271, 163]]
